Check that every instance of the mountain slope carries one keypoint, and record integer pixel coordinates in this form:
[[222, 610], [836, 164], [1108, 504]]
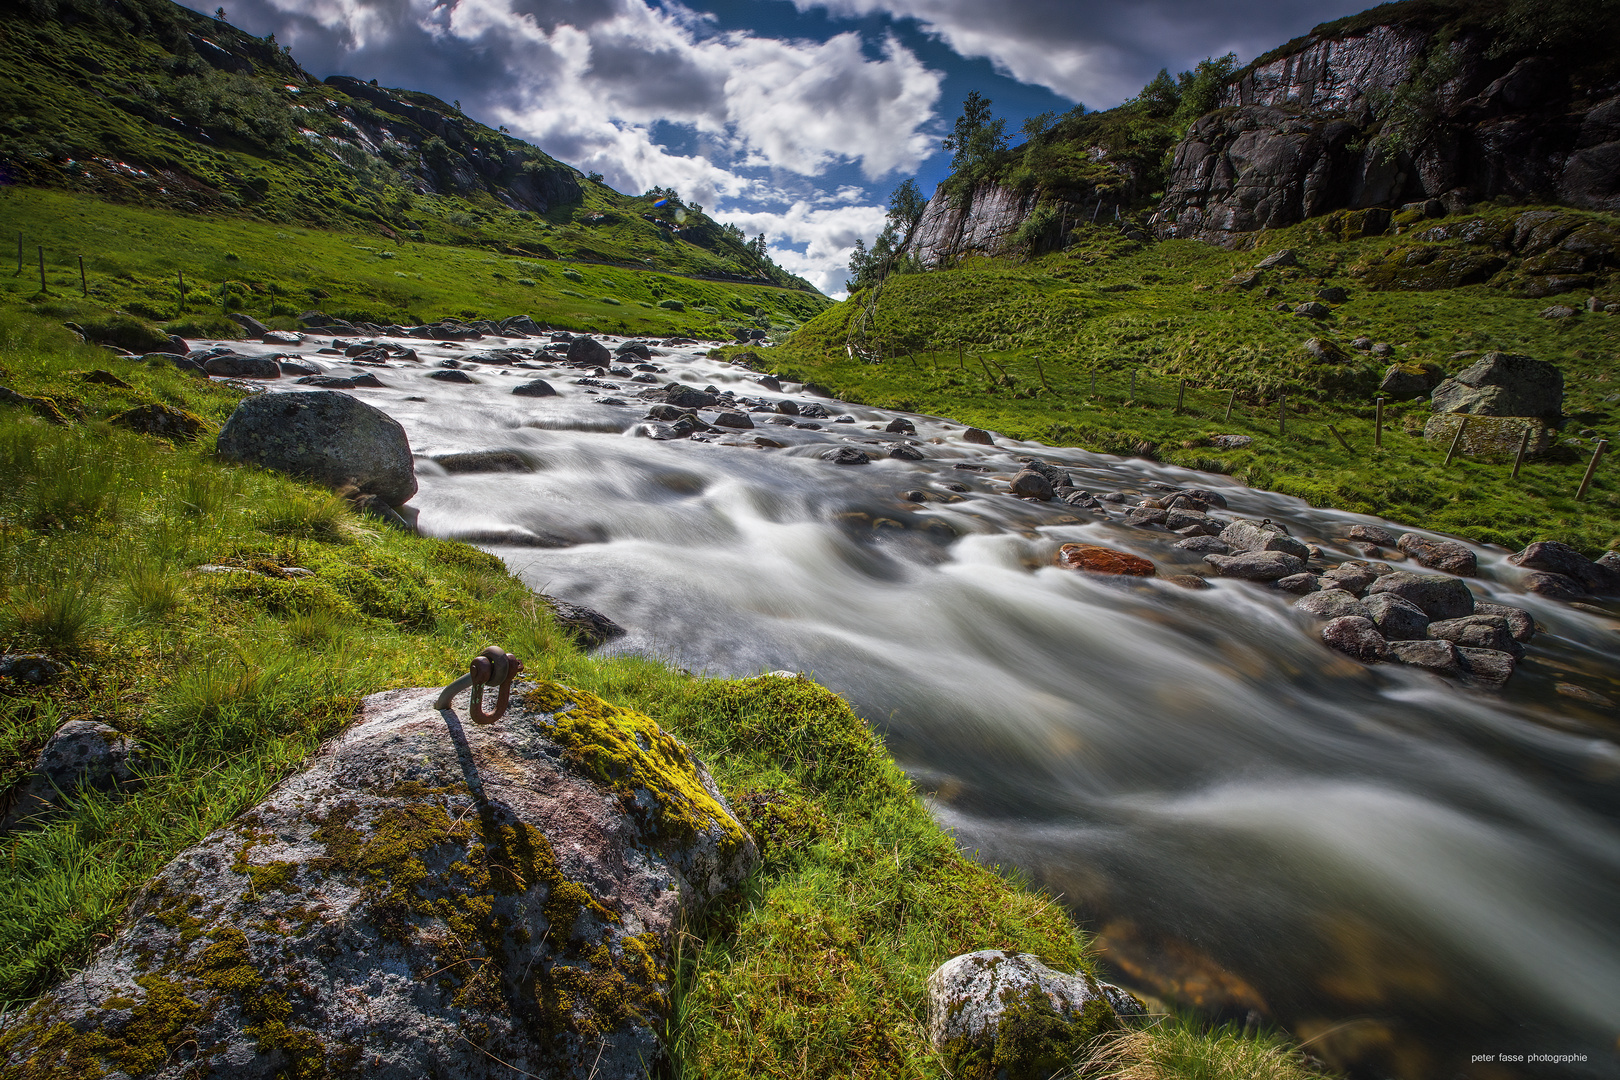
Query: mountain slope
[[148, 102]]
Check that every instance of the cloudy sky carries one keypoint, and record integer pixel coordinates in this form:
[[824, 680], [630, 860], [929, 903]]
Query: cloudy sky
[[794, 118]]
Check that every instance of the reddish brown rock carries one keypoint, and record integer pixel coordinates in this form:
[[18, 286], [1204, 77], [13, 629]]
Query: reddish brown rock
[[1101, 560]]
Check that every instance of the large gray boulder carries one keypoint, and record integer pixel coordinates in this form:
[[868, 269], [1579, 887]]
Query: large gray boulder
[[1262, 536], [83, 754], [994, 1013], [587, 350], [1503, 384], [326, 436], [428, 899], [1437, 597]]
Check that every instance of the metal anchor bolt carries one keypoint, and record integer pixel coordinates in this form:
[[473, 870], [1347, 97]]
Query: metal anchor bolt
[[493, 665]]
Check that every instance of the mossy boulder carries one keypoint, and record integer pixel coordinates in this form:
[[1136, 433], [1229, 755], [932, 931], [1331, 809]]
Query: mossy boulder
[[1412, 379], [427, 899], [997, 1015], [1503, 384], [1426, 267], [1497, 436]]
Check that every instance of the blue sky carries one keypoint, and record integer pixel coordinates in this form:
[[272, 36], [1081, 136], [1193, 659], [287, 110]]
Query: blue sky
[[794, 118]]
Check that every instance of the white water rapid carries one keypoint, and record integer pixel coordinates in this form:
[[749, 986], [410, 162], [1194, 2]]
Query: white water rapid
[[1410, 872]]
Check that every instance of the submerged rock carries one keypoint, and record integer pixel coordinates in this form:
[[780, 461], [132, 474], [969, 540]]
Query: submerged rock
[[428, 899], [1006, 1015], [1101, 560]]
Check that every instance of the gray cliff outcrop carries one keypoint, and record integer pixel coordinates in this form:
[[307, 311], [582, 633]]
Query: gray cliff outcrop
[[983, 223]]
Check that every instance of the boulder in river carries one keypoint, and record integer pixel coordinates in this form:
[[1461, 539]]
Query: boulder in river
[[327, 436], [429, 898], [901, 426], [1397, 619], [82, 754], [904, 451], [589, 352], [1299, 584], [1437, 597], [1477, 631], [1485, 668], [1101, 560], [1006, 1014], [451, 375], [1029, 484], [1355, 637], [1437, 656], [1331, 604], [1519, 621], [1550, 556], [1372, 534], [534, 388], [846, 455], [978, 435], [1353, 577], [1447, 555], [233, 366], [1256, 565], [1261, 536]]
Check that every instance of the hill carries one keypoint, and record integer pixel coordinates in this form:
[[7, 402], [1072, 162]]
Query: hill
[[148, 103]]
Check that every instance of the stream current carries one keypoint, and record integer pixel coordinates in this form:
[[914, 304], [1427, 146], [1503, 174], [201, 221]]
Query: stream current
[[1406, 872]]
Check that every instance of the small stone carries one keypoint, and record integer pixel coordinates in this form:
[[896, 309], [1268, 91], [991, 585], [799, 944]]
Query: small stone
[[1447, 555], [1231, 442], [1312, 309], [451, 375], [1519, 621], [1437, 656], [1582, 694], [1355, 637], [1298, 584], [1101, 560], [1187, 581], [1285, 257], [846, 455], [1372, 534], [164, 421], [901, 426], [1557, 311], [760, 440], [534, 388], [1383, 348], [978, 435], [1204, 545]]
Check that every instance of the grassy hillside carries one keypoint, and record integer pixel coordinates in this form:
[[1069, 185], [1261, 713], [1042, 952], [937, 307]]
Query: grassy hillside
[[132, 257], [150, 103], [1033, 334]]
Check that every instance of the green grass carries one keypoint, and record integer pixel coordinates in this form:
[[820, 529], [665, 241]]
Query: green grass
[[229, 681], [1032, 336], [133, 255]]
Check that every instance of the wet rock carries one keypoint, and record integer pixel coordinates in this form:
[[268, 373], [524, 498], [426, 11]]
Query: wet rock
[[588, 626], [905, 451], [1554, 586], [82, 754], [1332, 604], [1353, 577], [1028, 484], [253, 326], [987, 1007], [32, 669], [282, 337], [588, 351], [534, 388], [1439, 657], [164, 421], [730, 418], [1372, 534], [1101, 560], [901, 426], [1191, 522], [1519, 621], [326, 436], [1503, 384], [1477, 631], [1553, 557], [1584, 695], [1355, 637], [1204, 545], [978, 435], [296, 368], [242, 367], [1257, 565], [484, 461], [845, 455], [1055, 476], [1395, 618], [537, 869], [684, 396], [1145, 515], [1447, 555], [1436, 597], [1485, 668], [760, 440], [1298, 584], [328, 382], [1187, 581], [1256, 536], [451, 376], [787, 407]]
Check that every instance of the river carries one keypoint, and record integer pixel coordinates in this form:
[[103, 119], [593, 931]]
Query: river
[[1409, 873]]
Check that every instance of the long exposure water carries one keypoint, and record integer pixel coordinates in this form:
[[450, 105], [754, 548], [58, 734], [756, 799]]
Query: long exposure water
[[1407, 872]]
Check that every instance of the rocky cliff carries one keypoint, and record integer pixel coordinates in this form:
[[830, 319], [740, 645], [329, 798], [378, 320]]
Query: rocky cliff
[[983, 223], [1388, 115]]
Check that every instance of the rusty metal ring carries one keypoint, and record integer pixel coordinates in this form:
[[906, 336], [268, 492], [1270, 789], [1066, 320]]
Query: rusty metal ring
[[492, 666]]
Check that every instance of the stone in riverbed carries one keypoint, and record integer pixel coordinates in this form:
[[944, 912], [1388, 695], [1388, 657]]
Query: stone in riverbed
[[1554, 586], [1355, 637], [904, 451], [242, 367], [978, 435], [588, 351], [1372, 534], [1437, 656], [1477, 632], [1485, 668], [1332, 604], [1101, 560], [1520, 623], [1204, 545], [1437, 597], [484, 461], [498, 898], [846, 455], [1257, 565], [1005, 1014], [534, 388], [1550, 556], [1353, 577], [296, 368], [330, 437], [901, 426], [1257, 536], [733, 419], [1447, 555], [1396, 619], [1298, 584], [1145, 515], [451, 375], [328, 382]]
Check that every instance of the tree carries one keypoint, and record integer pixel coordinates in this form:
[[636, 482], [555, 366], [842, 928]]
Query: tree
[[888, 254], [1037, 127], [977, 139], [219, 13], [1160, 98], [1200, 89]]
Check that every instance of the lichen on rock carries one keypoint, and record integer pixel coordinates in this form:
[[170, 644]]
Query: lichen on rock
[[426, 899]]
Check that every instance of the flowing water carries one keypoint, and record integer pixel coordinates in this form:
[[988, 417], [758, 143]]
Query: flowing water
[[1404, 871]]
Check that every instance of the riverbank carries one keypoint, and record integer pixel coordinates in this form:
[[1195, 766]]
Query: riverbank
[[230, 679]]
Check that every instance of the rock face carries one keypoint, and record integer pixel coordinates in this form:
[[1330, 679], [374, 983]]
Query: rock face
[[1297, 137], [995, 1014], [1503, 384], [82, 754], [981, 224], [427, 899], [326, 436]]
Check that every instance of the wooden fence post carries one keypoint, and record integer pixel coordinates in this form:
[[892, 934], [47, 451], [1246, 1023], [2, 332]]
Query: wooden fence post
[[1282, 414], [1378, 424], [1181, 394], [1342, 443], [1597, 453], [42, 268], [1230, 400], [1042, 373], [1456, 439], [1524, 444], [84, 286], [19, 256]]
